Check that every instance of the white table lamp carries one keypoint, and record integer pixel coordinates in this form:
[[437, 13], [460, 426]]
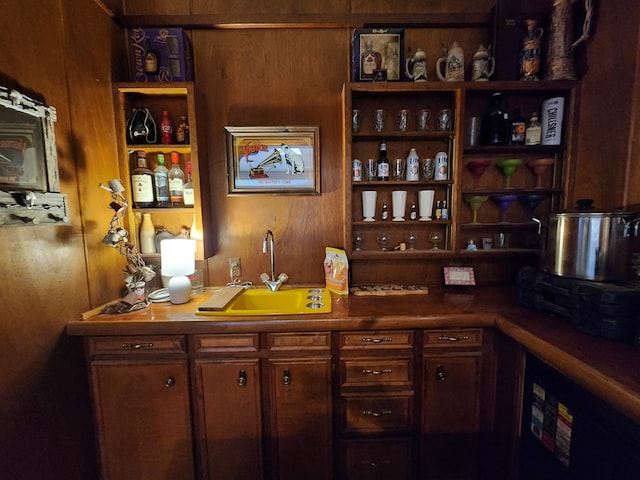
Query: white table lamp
[[178, 259]]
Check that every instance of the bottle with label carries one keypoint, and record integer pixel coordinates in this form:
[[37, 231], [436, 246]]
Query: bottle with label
[[161, 178], [533, 134], [385, 212], [147, 235], [188, 193], [142, 183], [176, 181], [413, 166], [438, 210], [518, 128], [413, 215], [151, 58], [444, 212], [383, 162], [166, 128], [182, 132], [370, 61]]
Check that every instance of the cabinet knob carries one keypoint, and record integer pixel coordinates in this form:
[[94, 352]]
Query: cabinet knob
[[441, 376], [170, 382], [368, 371], [453, 339], [381, 413], [286, 377], [242, 378], [376, 340]]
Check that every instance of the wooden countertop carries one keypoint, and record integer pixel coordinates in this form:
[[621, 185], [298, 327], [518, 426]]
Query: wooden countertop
[[609, 369]]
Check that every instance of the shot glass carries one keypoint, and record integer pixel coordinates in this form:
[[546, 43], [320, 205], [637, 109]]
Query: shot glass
[[424, 115], [444, 120], [378, 120], [402, 120], [427, 168]]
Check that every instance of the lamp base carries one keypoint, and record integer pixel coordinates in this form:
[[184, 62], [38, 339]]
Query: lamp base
[[179, 289]]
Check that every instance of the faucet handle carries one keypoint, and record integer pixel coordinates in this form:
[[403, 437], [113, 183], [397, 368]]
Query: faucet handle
[[283, 277], [264, 277]]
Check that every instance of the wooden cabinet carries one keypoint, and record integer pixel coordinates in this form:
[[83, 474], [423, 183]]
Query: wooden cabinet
[[142, 407], [451, 391], [178, 99], [289, 380]]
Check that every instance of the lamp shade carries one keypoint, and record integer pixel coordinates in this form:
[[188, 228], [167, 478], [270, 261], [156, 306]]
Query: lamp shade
[[178, 256]]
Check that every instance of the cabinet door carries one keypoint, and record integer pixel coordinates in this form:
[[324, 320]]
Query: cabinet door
[[144, 419], [230, 415], [300, 422], [451, 414]]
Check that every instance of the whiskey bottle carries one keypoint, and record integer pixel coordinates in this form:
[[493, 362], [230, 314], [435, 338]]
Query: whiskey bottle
[[142, 183], [370, 61], [151, 59], [533, 135]]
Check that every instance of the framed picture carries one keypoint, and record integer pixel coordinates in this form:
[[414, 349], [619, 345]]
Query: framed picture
[[273, 160], [378, 54]]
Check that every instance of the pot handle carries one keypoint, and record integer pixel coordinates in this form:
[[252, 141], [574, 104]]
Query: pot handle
[[628, 225]]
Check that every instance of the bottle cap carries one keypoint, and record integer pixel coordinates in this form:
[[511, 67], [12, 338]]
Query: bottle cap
[[175, 157], [161, 158]]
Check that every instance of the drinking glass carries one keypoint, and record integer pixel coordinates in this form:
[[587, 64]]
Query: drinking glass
[[383, 240], [378, 120], [424, 115]]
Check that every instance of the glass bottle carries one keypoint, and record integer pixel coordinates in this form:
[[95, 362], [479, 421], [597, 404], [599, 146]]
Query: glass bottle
[[370, 61], [142, 183], [182, 132], [385, 212], [147, 234], [413, 215], [533, 135], [413, 166], [151, 59], [161, 178], [166, 128], [176, 181], [383, 162], [188, 193], [494, 122], [518, 128]]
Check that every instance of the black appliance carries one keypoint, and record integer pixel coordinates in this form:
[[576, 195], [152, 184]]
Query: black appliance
[[569, 434]]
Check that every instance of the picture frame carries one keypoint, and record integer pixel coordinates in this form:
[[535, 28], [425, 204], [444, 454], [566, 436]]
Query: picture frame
[[273, 160], [378, 54], [459, 276]]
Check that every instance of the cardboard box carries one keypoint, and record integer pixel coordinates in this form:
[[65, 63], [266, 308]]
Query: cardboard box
[[172, 47]]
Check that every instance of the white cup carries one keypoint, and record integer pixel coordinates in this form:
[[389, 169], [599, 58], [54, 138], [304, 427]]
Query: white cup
[[425, 204], [369, 205], [399, 200]]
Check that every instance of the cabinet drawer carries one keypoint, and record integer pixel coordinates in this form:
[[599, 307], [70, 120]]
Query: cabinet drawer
[[452, 338], [126, 345], [375, 414], [376, 340], [378, 460], [362, 372], [226, 343], [299, 341]]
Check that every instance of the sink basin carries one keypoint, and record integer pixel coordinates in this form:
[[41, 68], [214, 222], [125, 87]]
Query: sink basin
[[291, 301]]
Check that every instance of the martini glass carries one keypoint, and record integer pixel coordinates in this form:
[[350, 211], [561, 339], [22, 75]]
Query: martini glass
[[383, 240], [477, 168], [475, 202], [539, 166], [530, 202], [508, 167], [503, 202]]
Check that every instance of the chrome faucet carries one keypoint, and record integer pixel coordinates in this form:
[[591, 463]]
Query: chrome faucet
[[269, 245]]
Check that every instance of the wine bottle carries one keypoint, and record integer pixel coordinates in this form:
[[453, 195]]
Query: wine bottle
[[188, 193]]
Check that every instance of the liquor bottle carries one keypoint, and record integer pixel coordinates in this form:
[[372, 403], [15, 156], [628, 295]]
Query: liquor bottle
[[166, 128], [495, 122], [444, 211], [383, 162], [182, 132], [151, 59], [147, 235], [385, 212], [413, 215], [533, 135], [518, 128], [370, 61], [176, 181], [161, 177], [188, 193], [142, 183]]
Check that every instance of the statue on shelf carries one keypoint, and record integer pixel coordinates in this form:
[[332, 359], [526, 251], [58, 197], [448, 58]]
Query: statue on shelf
[[559, 63]]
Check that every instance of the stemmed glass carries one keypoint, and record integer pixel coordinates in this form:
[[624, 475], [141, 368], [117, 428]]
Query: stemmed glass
[[383, 240], [435, 238], [411, 240], [539, 166], [530, 202], [504, 202], [508, 167], [475, 202], [477, 168], [357, 241]]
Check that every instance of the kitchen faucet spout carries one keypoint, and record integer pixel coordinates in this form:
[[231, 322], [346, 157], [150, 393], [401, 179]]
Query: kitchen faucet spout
[[269, 245]]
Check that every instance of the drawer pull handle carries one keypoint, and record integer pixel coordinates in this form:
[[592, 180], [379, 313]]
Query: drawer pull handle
[[441, 376], [286, 377], [375, 463], [453, 339], [170, 382], [242, 378], [376, 340], [137, 346], [368, 371], [371, 413]]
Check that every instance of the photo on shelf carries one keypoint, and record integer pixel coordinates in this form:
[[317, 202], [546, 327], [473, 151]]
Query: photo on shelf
[[377, 54]]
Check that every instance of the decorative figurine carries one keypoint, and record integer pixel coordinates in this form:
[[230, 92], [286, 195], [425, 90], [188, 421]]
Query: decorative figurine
[[454, 64], [530, 53], [416, 66], [483, 64]]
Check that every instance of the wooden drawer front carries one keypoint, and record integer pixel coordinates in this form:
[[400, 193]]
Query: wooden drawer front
[[378, 414], [121, 345], [299, 341], [226, 343], [468, 337], [376, 340], [378, 460], [362, 372]]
